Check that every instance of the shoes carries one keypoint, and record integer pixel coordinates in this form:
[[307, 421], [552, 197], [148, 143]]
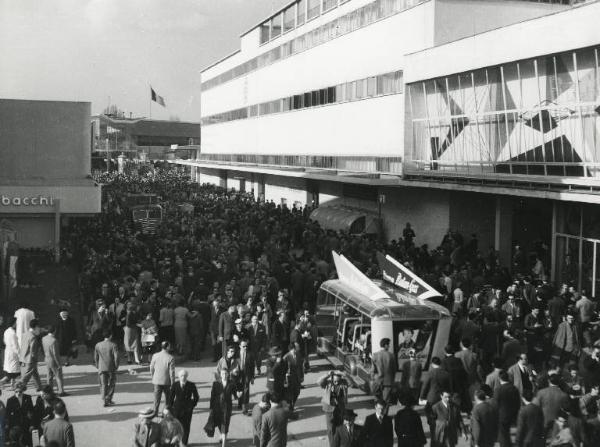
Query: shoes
[[106, 404], [63, 394], [111, 402]]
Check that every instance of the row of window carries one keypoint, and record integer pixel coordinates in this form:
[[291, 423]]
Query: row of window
[[384, 84], [347, 23]]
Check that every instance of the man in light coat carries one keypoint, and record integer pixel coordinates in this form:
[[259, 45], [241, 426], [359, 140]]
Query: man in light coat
[[162, 370], [52, 359], [106, 358], [521, 375]]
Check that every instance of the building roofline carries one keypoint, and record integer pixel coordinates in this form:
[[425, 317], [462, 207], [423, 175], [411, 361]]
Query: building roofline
[[566, 8], [137, 120], [269, 17], [220, 60]]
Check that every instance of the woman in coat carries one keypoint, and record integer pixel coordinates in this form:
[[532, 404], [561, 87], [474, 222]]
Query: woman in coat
[[221, 395]]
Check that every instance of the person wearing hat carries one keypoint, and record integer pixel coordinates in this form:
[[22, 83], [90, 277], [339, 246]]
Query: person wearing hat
[[334, 401], [348, 434], [275, 371], [146, 433]]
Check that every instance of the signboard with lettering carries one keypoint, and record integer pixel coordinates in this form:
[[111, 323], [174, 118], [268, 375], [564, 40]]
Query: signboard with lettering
[[39, 200], [349, 274], [403, 278]]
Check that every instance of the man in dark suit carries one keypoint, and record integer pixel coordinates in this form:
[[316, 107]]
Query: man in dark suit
[[246, 375], [182, 400], [378, 429], [280, 333], [106, 359], [257, 337], [384, 372], [484, 422], [19, 410], [348, 434], [225, 336], [458, 377], [508, 400], [530, 423], [551, 400], [408, 425], [59, 429], [295, 373], [437, 380], [274, 425], [448, 422]]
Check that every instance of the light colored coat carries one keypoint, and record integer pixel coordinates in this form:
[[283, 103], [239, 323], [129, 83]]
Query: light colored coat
[[162, 369], [51, 357], [11, 352]]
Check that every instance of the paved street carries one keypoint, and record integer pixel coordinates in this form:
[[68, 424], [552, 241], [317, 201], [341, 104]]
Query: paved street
[[99, 426]]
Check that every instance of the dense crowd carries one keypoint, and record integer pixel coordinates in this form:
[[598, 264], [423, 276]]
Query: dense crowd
[[243, 275]]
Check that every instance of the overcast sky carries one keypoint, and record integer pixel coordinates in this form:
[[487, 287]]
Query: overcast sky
[[93, 50]]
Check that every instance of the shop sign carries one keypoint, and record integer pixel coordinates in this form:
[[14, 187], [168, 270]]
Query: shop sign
[[38, 200], [400, 276]]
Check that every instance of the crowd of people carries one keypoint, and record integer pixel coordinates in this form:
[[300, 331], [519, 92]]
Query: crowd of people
[[242, 276]]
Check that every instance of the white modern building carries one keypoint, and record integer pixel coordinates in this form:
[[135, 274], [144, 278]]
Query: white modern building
[[476, 115]]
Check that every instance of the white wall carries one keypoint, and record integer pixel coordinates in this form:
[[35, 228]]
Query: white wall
[[209, 176], [292, 189], [367, 127], [375, 49], [575, 27]]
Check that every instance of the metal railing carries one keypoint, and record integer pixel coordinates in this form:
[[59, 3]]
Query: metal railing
[[354, 163]]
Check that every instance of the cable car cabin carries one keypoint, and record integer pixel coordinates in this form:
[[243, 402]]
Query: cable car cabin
[[147, 218], [351, 325]]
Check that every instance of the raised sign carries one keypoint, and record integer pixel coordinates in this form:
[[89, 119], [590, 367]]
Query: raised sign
[[403, 278]]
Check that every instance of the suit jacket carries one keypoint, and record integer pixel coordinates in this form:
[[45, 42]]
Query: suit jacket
[[273, 431], [508, 400], [51, 354], [146, 435], [225, 326], [385, 367], [484, 424], [378, 434], [409, 428], [342, 438], [437, 380], [247, 370], [19, 414], [514, 374], [279, 335], [106, 356], [551, 400], [60, 431], [411, 374], [162, 369], [448, 422], [29, 348], [183, 399], [295, 369], [470, 364], [66, 333], [257, 414], [257, 338], [530, 426], [457, 372]]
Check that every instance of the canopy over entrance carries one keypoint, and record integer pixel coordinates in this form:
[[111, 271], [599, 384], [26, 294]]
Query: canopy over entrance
[[352, 220]]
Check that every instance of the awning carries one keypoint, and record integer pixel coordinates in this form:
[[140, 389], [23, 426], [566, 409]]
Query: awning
[[352, 220]]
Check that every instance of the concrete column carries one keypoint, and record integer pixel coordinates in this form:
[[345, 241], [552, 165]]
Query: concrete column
[[57, 230], [503, 229]]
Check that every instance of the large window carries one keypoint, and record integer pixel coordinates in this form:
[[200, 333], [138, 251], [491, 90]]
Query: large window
[[264, 32], [289, 18], [329, 4], [530, 117], [314, 9], [385, 84], [301, 12], [276, 26]]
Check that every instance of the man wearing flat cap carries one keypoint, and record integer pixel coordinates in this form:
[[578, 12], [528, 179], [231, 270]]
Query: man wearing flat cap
[[348, 434], [146, 432]]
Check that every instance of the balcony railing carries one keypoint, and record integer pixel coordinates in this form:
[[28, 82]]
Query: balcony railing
[[351, 163]]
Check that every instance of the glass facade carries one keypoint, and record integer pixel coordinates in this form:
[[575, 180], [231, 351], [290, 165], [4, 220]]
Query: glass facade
[[578, 246], [384, 84], [535, 117]]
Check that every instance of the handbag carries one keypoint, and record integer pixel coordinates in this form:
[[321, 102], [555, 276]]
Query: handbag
[[209, 427]]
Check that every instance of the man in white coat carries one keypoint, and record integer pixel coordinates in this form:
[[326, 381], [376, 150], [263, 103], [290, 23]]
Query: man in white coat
[[23, 315], [12, 366]]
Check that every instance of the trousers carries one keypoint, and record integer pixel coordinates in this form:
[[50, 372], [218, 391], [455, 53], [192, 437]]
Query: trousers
[[108, 380], [55, 372], [28, 371], [158, 392]]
